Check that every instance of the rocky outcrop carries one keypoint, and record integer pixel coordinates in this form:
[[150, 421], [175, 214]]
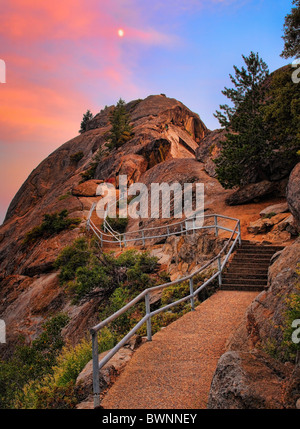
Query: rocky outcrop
[[251, 192], [210, 149], [164, 130], [248, 381], [107, 374], [293, 195], [236, 381]]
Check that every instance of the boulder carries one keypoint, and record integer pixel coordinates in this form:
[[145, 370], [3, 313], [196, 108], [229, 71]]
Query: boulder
[[288, 224], [109, 372], [260, 226], [275, 208], [86, 189], [248, 381], [293, 194], [251, 192]]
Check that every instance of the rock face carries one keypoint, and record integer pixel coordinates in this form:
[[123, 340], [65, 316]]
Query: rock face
[[251, 192], [248, 381], [164, 129], [236, 380], [293, 195]]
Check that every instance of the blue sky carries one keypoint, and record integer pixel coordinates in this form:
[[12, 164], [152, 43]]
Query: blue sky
[[65, 58]]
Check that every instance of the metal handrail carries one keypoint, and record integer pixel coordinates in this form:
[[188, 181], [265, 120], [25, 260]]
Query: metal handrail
[[146, 295], [123, 240]]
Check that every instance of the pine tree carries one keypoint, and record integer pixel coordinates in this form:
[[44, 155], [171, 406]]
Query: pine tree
[[121, 130], [86, 118], [291, 35], [244, 150]]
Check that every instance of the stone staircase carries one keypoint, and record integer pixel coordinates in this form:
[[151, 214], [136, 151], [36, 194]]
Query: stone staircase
[[248, 268]]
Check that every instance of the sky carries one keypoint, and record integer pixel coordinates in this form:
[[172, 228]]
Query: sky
[[65, 57]]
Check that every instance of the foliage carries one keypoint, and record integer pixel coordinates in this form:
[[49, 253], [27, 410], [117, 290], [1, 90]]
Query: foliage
[[117, 223], [57, 388], [291, 35], [83, 268], [86, 118], [121, 130], [31, 362], [280, 114], [76, 157], [89, 174], [64, 196], [269, 215], [287, 350], [245, 146], [52, 224]]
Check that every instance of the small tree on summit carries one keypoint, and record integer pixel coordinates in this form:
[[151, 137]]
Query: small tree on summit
[[86, 118], [121, 130]]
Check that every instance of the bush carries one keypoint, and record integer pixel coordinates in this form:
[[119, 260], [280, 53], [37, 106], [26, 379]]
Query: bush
[[287, 350], [118, 224], [82, 269], [31, 362], [76, 157], [52, 224]]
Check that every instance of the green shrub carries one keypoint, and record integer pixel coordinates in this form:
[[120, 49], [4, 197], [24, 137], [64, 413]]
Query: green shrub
[[269, 215], [72, 257], [31, 363], [64, 196], [286, 350], [52, 224], [76, 157], [118, 224]]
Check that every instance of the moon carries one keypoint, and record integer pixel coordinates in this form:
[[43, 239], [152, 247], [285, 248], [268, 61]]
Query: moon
[[121, 32]]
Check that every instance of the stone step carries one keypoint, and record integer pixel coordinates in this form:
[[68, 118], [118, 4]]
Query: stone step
[[271, 248], [253, 259], [242, 287], [254, 266], [258, 282], [245, 275], [254, 255], [245, 272], [255, 251]]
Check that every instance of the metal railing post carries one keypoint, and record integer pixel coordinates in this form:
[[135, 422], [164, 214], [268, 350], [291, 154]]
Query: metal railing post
[[96, 385], [147, 304], [143, 237], [220, 271], [216, 225], [192, 293], [239, 229]]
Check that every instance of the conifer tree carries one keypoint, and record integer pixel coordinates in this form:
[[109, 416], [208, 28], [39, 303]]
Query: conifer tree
[[291, 35], [244, 149], [86, 118], [121, 130]]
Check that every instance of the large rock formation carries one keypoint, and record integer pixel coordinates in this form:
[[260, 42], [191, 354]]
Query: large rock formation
[[164, 129], [293, 194]]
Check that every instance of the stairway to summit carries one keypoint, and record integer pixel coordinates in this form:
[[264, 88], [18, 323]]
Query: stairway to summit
[[248, 268]]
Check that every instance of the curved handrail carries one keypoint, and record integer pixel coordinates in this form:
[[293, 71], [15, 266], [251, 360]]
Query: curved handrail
[[146, 295], [124, 238]]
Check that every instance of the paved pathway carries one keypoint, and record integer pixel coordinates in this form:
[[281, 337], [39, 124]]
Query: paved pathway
[[175, 369]]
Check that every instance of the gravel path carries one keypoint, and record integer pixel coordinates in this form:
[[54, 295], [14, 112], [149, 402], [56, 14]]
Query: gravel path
[[175, 369]]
